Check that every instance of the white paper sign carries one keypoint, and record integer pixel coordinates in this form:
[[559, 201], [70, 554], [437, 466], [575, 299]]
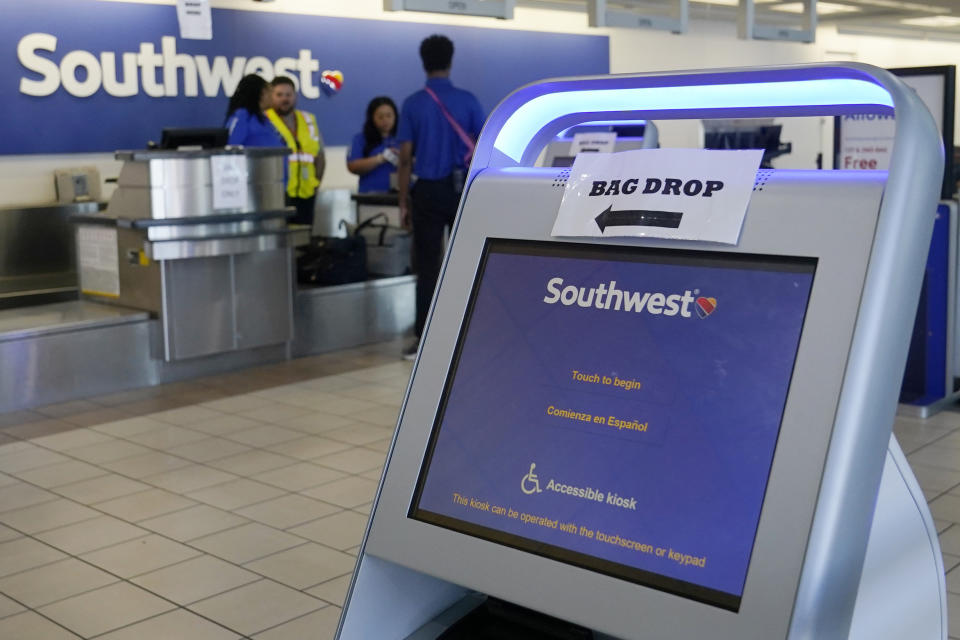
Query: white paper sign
[[229, 182], [97, 260], [194, 18], [683, 194], [595, 142]]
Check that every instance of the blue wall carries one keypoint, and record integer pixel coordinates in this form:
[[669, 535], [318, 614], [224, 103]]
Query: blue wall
[[376, 57]]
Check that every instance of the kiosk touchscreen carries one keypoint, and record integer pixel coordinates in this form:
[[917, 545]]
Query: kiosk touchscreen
[[655, 439], [644, 422]]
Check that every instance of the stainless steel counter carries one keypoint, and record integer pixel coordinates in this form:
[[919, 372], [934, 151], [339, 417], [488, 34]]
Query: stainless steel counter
[[62, 317], [37, 255], [198, 238]]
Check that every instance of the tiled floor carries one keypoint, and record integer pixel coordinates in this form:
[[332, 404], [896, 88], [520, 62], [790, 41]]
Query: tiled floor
[[227, 507], [232, 506]]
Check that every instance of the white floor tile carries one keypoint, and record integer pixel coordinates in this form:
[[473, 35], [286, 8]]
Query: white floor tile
[[90, 535], [31, 625], [186, 416], [144, 505], [9, 607], [173, 626], [208, 449], [26, 460], [167, 437], [72, 439], [101, 488], [22, 554], [47, 515], [20, 495], [235, 494], [251, 462], [147, 464], [355, 460], [319, 625], [333, 591], [105, 609], [256, 607], [143, 555], [195, 579], [309, 447], [298, 477], [55, 581], [340, 531], [194, 522], [129, 426], [263, 436], [190, 478], [287, 511], [55, 475], [247, 542], [348, 493]]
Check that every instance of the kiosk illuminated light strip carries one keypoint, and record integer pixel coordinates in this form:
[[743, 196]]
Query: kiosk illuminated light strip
[[618, 408], [523, 123]]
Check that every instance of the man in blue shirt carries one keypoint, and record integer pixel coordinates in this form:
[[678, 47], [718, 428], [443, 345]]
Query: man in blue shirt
[[438, 125]]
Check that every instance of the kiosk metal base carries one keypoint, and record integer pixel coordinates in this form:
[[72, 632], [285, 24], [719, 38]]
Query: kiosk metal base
[[925, 411]]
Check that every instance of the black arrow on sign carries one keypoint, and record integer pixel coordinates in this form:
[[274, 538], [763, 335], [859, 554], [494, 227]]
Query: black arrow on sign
[[638, 218]]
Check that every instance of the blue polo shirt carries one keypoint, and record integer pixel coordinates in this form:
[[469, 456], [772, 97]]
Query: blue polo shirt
[[437, 148], [246, 128], [378, 180]]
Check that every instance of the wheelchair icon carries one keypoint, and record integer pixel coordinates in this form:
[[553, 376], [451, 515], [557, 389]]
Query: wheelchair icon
[[530, 484]]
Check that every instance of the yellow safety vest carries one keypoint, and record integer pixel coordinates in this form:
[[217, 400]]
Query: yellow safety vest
[[302, 181]]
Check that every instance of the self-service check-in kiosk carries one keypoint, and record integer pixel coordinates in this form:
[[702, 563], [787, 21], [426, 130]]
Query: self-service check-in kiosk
[[620, 135], [647, 438]]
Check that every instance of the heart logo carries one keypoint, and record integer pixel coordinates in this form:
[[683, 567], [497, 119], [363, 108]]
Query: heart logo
[[331, 81], [706, 306]]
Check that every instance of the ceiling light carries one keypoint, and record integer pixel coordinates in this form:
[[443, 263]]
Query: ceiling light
[[933, 21], [823, 8], [905, 6], [725, 3]]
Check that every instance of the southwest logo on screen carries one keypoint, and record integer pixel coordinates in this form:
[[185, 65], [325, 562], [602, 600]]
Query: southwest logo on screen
[[706, 306], [607, 296]]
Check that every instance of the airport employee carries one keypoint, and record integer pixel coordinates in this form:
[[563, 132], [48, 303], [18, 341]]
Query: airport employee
[[301, 134], [439, 125]]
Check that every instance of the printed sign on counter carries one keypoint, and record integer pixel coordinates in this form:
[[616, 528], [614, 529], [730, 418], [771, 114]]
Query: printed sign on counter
[[229, 182], [97, 260], [682, 194], [595, 142]]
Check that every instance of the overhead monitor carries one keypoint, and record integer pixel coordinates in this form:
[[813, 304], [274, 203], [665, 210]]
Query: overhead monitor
[[193, 138]]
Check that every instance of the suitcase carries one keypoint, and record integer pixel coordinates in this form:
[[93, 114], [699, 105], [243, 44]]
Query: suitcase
[[331, 261], [388, 247]]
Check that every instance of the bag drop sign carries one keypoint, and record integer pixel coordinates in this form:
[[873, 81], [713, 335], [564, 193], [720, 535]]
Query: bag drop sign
[[682, 194]]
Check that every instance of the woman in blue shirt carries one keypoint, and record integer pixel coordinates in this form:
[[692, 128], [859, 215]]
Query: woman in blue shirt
[[373, 154], [246, 124]]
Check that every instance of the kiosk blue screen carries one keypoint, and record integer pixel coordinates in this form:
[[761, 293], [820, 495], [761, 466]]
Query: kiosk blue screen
[[618, 409]]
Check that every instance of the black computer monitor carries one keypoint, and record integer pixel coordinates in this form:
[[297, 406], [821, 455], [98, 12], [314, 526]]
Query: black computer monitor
[[766, 137], [201, 137]]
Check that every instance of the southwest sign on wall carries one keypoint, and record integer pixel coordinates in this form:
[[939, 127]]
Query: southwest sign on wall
[[88, 75]]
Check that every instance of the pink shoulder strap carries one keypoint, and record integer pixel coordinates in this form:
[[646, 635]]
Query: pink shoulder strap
[[466, 139]]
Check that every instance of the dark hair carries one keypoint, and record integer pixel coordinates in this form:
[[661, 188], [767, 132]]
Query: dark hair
[[436, 53], [279, 80], [247, 96], [371, 135]]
